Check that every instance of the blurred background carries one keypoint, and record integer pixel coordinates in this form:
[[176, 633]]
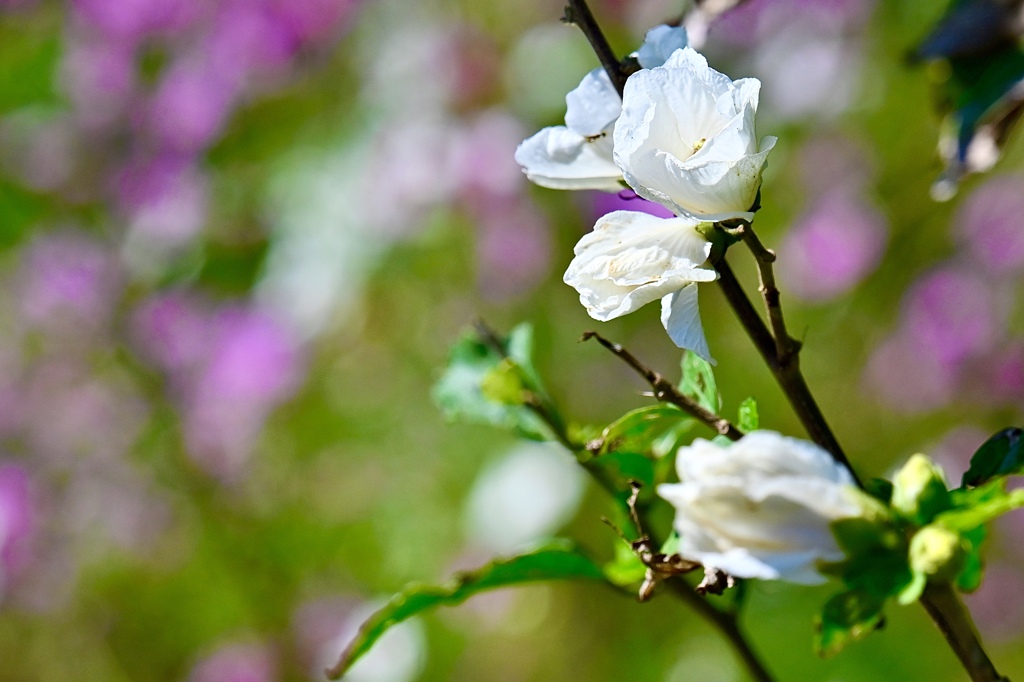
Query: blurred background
[[237, 238]]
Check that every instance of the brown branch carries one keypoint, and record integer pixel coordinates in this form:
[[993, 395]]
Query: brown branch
[[786, 347], [787, 374], [954, 622], [666, 392], [578, 13]]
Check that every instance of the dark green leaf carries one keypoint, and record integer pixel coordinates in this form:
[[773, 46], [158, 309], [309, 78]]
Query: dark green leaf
[[1001, 454], [556, 562], [748, 419], [845, 618], [698, 381], [880, 489]]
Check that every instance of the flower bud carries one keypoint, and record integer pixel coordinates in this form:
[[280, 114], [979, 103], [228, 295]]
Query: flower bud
[[938, 553], [919, 490]]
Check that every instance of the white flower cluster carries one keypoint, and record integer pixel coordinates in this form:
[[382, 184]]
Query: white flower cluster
[[681, 135]]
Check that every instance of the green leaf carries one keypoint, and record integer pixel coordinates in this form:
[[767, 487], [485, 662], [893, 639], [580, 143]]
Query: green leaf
[[978, 506], [653, 429], [876, 562], [1001, 454], [556, 562], [970, 577], [626, 569], [503, 384], [698, 381], [880, 489], [473, 363], [845, 618], [748, 419], [623, 467]]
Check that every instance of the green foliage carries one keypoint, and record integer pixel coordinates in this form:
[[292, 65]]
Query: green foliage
[[654, 429], [846, 617], [977, 506], [482, 384], [970, 577], [1001, 454], [622, 467], [559, 561], [748, 420], [698, 381]]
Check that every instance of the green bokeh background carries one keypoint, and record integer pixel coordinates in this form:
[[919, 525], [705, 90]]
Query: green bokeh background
[[359, 485]]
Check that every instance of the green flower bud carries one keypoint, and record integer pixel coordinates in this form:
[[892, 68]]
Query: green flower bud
[[937, 553], [919, 490]]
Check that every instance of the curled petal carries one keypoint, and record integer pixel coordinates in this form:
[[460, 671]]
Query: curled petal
[[681, 319], [559, 158], [631, 259], [659, 44], [593, 106]]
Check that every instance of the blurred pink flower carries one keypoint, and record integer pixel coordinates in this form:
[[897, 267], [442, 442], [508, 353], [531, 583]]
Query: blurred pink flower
[[513, 248], [990, 224], [99, 78], [953, 314], [314, 20], [238, 662], [252, 364], [900, 376], [130, 21], [832, 247], [67, 281], [172, 330], [17, 522], [834, 162], [953, 452], [190, 106], [482, 155], [165, 199]]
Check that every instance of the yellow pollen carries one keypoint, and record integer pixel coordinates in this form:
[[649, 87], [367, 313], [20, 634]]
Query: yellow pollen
[[697, 146]]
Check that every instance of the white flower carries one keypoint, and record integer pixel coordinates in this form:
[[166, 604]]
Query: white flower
[[632, 259], [578, 155], [686, 138], [761, 507]]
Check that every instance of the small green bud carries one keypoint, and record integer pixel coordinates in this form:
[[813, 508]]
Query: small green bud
[[919, 490], [504, 384], [937, 553]]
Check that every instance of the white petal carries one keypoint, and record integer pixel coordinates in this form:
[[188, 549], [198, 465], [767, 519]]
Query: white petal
[[593, 106], [659, 44], [681, 319], [558, 158], [631, 259]]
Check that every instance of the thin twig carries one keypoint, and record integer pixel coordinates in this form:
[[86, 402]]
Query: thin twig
[[578, 13], [786, 347], [727, 622], [666, 392], [788, 375], [954, 622]]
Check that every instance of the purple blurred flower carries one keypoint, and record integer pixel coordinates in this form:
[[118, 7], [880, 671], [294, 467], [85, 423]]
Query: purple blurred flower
[[246, 37], [513, 248], [239, 662], [190, 106], [165, 199], [832, 247], [313, 20], [172, 330], [991, 224], [753, 20], [907, 380], [603, 203], [68, 281], [482, 155], [130, 21], [252, 365], [953, 314], [17, 522], [99, 77]]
